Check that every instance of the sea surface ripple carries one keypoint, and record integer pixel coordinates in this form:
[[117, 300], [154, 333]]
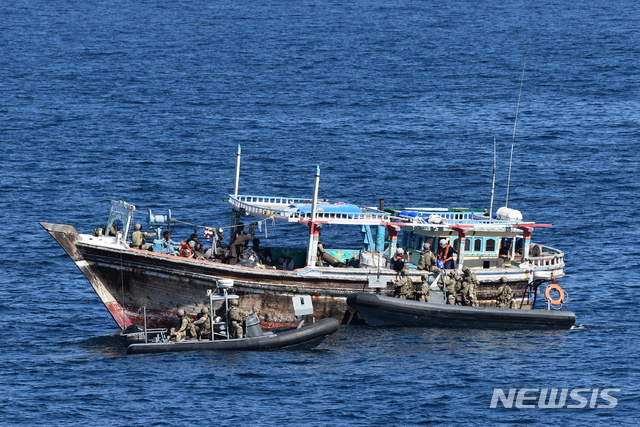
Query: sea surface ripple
[[398, 100]]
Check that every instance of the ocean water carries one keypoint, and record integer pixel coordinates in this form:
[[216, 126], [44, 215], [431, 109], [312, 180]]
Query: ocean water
[[401, 100]]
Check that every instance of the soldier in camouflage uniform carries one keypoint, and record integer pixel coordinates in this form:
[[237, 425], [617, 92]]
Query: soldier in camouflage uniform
[[203, 324], [469, 285], [422, 290], [184, 328], [427, 260], [504, 295], [451, 287], [139, 238], [235, 316], [403, 286]]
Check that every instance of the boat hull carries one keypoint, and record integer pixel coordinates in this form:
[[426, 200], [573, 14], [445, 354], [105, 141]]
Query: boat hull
[[304, 338], [382, 311], [137, 286]]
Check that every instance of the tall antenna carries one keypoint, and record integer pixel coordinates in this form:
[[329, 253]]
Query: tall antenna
[[513, 140], [493, 177]]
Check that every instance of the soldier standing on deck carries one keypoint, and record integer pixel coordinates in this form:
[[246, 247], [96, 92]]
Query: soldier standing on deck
[[235, 316], [428, 260], [203, 324], [469, 286], [403, 286], [504, 295]]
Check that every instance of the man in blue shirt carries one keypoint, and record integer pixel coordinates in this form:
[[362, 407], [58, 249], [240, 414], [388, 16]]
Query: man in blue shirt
[[168, 245]]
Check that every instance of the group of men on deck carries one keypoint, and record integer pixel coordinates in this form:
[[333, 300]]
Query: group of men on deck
[[460, 289], [200, 329]]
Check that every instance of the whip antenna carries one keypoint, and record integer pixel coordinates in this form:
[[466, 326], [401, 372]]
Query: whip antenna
[[493, 177], [513, 139]]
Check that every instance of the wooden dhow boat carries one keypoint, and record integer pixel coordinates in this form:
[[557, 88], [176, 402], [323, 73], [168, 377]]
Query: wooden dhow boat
[[130, 280]]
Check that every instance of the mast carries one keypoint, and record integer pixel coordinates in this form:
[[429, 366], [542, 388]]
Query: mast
[[237, 178], [493, 178], [235, 215], [513, 139], [312, 250]]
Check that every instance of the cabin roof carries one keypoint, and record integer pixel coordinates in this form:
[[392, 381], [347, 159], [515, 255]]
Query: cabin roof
[[289, 209]]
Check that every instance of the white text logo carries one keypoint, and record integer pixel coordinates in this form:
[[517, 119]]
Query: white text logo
[[554, 398]]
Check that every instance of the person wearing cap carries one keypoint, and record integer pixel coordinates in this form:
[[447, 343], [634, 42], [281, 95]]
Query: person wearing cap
[[398, 261], [445, 255], [139, 238]]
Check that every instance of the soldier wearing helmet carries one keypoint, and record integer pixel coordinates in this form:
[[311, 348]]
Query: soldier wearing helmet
[[427, 260], [235, 317], [203, 324], [468, 289], [184, 328], [504, 294], [403, 286], [422, 289]]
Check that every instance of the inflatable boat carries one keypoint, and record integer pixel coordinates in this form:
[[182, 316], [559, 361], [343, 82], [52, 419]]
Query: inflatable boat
[[303, 338], [379, 310], [139, 339]]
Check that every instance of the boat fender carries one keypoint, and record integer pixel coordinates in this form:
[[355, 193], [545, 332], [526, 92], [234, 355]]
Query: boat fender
[[185, 251], [547, 294]]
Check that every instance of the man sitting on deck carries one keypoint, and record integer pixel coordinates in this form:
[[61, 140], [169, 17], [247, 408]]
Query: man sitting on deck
[[139, 238], [184, 328]]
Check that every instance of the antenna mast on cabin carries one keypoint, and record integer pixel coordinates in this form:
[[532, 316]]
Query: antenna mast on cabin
[[513, 140], [493, 178]]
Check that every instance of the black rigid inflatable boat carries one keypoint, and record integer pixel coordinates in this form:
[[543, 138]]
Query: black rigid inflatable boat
[[378, 310], [304, 338]]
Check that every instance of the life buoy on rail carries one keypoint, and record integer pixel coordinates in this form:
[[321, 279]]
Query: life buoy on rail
[[185, 251], [554, 287]]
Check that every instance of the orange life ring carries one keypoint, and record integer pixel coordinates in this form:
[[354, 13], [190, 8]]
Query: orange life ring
[[547, 294]]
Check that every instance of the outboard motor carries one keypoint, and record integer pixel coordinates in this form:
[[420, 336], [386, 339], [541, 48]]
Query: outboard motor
[[253, 326], [134, 334]]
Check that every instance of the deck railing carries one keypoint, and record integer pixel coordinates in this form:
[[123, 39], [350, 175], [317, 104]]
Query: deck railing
[[554, 259], [276, 207]]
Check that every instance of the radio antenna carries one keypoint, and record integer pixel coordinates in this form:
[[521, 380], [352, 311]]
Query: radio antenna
[[493, 178], [513, 139]]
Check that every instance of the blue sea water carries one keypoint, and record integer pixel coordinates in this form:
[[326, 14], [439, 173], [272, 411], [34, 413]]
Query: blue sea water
[[147, 102]]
